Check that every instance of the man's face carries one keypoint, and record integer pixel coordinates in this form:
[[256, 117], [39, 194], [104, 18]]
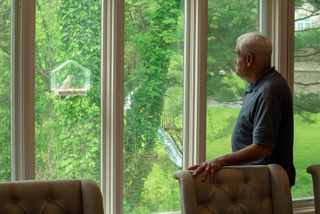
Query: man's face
[[240, 60]]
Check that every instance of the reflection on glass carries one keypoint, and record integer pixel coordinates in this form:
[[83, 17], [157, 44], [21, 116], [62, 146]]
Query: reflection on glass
[[227, 20], [153, 105], [5, 74], [67, 97], [306, 94]]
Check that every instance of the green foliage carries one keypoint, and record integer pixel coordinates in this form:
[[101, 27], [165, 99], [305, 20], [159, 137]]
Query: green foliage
[[5, 102], [72, 145], [227, 20], [307, 39], [67, 127], [307, 105], [315, 4], [150, 33], [307, 53]]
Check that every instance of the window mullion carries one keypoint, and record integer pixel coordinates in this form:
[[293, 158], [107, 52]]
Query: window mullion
[[195, 63], [112, 105], [280, 28], [265, 23], [23, 90]]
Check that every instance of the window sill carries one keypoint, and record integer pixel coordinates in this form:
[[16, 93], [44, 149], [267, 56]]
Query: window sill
[[305, 206]]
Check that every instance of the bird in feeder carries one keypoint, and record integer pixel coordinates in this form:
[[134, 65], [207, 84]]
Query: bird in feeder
[[67, 82]]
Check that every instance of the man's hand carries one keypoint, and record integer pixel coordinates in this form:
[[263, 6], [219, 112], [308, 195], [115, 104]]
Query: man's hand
[[249, 154], [208, 167]]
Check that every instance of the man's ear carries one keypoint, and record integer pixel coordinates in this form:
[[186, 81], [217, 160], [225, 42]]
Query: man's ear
[[249, 59]]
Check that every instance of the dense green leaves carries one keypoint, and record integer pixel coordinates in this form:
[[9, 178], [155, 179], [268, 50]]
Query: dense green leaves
[[227, 20], [150, 33], [67, 127]]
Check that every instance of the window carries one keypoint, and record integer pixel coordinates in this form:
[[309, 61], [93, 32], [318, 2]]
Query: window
[[5, 100], [67, 88], [306, 95], [225, 90], [153, 111], [71, 40]]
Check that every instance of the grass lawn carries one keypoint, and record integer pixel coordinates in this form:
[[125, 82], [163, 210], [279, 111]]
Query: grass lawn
[[161, 192], [220, 122], [306, 153]]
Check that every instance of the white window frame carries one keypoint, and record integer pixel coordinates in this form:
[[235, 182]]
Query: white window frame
[[112, 98], [277, 21], [23, 90], [195, 82]]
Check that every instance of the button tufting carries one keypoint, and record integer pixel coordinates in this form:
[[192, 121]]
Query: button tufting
[[204, 204], [49, 199], [216, 184], [13, 200], [245, 181], [233, 201]]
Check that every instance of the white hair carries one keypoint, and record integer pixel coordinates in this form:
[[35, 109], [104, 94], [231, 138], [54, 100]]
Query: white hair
[[255, 43]]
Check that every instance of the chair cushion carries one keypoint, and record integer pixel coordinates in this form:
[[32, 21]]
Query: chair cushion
[[43, 197], [248, 193]]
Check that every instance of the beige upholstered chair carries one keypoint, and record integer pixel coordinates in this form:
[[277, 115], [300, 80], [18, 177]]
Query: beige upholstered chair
[[314, 170], [247, 189], [51, 197]]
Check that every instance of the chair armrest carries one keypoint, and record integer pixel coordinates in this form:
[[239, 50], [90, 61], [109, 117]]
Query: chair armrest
[[281, 191], [91, 197], [314, 170], [187, 195]]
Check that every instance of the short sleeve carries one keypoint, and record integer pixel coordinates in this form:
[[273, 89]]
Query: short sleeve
[[266, 122]]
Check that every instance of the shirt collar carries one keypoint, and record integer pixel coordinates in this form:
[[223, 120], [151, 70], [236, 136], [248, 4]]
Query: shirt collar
[[260, 80]]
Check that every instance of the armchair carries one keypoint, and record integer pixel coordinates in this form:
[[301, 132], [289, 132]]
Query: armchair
[[54, 196], [245, 189]]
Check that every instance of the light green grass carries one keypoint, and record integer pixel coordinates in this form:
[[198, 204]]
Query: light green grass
[[306, 153], [220, 122], [162, 190]]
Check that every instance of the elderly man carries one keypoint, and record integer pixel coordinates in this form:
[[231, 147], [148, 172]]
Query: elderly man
[[263, 133]]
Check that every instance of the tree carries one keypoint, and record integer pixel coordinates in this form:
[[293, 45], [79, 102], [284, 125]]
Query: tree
[[67, 127], [307, 52], [227, 20], [150, 30]]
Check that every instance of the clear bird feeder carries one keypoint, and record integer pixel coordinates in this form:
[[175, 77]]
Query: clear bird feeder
[[79, 83]]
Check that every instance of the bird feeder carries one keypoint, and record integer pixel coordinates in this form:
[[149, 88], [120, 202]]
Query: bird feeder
[[70, 78]]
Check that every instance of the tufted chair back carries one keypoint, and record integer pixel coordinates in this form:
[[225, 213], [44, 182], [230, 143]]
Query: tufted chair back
[[50, 197], [314, 170], [247, 189]]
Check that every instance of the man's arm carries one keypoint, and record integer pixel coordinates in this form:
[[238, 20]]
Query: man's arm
[[252, 153]]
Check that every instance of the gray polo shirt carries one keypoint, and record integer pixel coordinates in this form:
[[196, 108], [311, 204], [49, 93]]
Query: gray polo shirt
[[266, 118]]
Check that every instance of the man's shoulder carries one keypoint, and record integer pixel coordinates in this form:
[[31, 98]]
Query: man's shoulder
[[275, 85]]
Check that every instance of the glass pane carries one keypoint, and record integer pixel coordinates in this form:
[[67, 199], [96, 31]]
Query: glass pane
[[306, 94], [227, 20], [5, 76], [153, 105], [68, 89]]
